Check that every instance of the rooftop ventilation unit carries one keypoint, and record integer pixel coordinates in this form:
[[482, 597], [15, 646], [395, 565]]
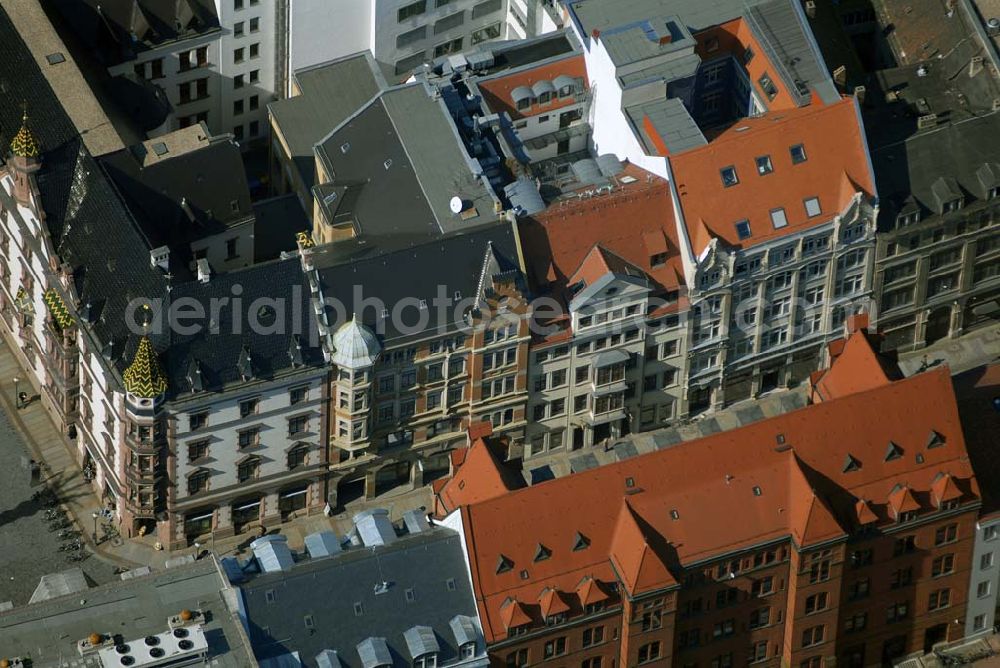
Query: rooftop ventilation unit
[[926, 121], [185, 618], [416, 521], [178, 647], [94, 643], [374, 528]]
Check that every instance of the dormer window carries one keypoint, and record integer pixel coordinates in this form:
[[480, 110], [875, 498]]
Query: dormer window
[[729, 177], [778, 218], [952, 205], [659, 259], [764, 165], [812, 206], [767, 85], [993, 192], [467, 651], [426, 661], [523, 104], [743, 229], [747, 55], [905, 219]]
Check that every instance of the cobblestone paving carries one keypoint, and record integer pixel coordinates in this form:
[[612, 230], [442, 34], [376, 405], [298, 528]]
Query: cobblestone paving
[[28, 550]]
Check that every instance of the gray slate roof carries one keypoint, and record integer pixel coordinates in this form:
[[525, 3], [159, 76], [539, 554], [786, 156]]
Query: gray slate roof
[[672, 122], [208, 180], [429, 585], [282, 288], [330, 92], [48, 631], [453, 263], [404, 153], [935, 163], [117, 30], [90, 226]]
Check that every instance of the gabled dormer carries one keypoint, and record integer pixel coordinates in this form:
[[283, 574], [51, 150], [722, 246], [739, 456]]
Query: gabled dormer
[[909, 212], [988, 178], [947, 195]]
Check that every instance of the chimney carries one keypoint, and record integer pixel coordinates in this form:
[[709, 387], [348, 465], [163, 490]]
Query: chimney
[[187, 209], [859, 93], [204, 271], [975, 66], [840, 76], [811, 8], [160, 257]]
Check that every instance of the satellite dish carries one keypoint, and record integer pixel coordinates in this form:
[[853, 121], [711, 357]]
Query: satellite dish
[[456, 204]]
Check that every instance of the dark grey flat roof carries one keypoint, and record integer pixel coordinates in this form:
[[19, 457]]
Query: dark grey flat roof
[[671, 120], [331, 604], [135, 608], [276, 221]]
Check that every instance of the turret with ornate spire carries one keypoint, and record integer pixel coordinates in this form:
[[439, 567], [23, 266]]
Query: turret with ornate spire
[[144, 378], [25, 160]]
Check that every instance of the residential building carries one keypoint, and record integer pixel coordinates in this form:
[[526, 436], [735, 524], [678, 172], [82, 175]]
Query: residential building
[[842, 531], [611, 360], [88, 305], [933, 150], [379, 596], [180, 64], [345, 125], [189, 193], [775, 267], [977, 391], [402, 35], [245, 407], [187, 613], [415, 362]]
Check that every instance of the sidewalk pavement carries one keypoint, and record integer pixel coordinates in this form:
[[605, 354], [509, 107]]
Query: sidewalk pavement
[[80, 499], [978, 347]]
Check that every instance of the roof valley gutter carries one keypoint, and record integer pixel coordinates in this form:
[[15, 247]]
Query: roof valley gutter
[[864, 145]]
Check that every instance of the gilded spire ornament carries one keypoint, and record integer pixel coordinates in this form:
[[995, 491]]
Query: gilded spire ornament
[[24, 143]]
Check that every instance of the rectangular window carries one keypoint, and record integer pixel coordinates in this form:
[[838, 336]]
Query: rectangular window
[[798, 153], [254, 25], [248, 438], [939, 599], [451, 46], [983, 589], [946, 534], [778, 218], [199, 449], [986, 561], [943, 565], [813, 635], [767, 86], [812, 207], [254, 76], [729, 176], [483, 34], [249, 407], [409, 11], [197, 420], [238, 55], [254, 50], [764, 165], [743, 229]]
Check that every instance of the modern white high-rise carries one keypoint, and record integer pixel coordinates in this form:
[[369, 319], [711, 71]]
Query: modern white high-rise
[[403, 34]]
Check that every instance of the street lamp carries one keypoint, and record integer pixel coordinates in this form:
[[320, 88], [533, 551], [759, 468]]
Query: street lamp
[[17, 395], [197, 550], [94, 515]]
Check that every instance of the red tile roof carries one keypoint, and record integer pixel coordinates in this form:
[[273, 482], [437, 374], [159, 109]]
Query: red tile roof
[[496, 92], [476, 477], [634, 223], [835, 161], [855, 367], [728, 491]]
